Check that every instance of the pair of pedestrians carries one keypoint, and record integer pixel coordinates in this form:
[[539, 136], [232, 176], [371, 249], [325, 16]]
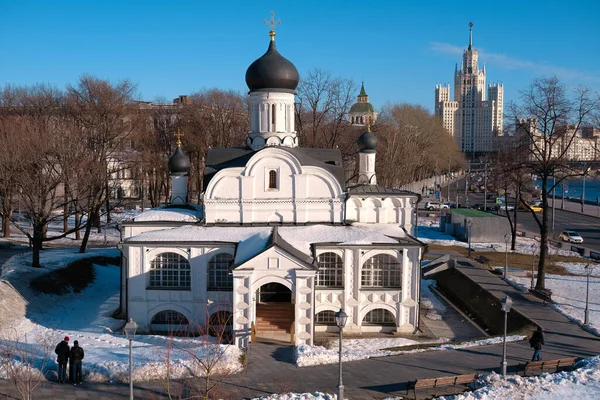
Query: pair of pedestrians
[[74, 356]]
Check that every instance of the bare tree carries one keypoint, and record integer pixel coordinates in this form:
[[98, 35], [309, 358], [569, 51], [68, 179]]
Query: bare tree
[[322, 107], [25, 364], [104, 114], [212, 118], [413, 145], [553, 117]]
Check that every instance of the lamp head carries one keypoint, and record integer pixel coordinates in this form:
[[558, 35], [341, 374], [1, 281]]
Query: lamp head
[[507, 304], [340, 318], [130, 328]]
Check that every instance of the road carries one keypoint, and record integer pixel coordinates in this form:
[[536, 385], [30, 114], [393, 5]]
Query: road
[[587, 226]]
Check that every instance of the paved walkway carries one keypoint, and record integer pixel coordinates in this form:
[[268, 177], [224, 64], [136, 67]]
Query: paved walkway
[[271, 369]]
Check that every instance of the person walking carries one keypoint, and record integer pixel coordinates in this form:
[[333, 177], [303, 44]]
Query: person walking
[[536, 341], [62, 351], [75, 363]]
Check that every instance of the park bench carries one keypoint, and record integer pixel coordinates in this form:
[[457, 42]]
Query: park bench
[[539, 367], [442, 382], [544, 294], [483, 260]]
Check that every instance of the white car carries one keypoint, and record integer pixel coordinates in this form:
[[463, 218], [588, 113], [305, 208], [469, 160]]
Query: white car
[[505, 207], [434, 205], [571, 237]]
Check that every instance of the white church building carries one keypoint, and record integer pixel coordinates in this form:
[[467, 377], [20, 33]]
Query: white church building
[[281, 242]]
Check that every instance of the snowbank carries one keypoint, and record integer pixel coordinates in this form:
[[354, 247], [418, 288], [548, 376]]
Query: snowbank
[[360, 349], [581, 384], [86, 317]]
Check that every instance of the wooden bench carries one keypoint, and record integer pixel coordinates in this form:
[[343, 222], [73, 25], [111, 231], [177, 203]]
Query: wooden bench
[[539, 367], [482, 259], [544, 294], [442, 382]]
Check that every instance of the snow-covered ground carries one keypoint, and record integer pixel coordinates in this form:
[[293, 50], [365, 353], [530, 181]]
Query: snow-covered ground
[[581, 384], [86, 317], [110, 235], [360, 349], [431, 233], [569, 293]]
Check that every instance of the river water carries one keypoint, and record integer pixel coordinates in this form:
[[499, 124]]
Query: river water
[[573, 188]]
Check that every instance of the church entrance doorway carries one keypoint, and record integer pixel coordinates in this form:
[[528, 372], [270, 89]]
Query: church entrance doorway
[[274, 311]]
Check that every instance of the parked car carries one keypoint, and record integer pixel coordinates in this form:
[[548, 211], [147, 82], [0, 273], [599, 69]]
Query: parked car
[[505, 207], [450, 204], [434, 205], [527, 207], [571, 236]]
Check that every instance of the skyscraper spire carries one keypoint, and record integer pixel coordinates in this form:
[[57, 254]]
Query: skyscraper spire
[[470, 36]]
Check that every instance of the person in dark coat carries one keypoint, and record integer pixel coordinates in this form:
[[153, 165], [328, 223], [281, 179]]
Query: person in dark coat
[[536, 341], [75, 363], [62, 351]]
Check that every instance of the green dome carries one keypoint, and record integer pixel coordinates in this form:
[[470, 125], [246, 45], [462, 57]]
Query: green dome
[[362, 108]]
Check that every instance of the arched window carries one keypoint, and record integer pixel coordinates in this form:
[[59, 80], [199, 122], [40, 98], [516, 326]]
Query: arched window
[[220, 324], [379, 316], [325, 318], [272, 179], [169, 317], [219, 277], [331, 270], [381, 270], [273, 119], [170, 270]]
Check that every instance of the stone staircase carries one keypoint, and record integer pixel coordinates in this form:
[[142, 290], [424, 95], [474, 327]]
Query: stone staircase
[[274, 317]]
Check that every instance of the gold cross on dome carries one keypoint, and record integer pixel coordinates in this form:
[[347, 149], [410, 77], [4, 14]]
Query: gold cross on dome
[[272, 22], [178, 135]]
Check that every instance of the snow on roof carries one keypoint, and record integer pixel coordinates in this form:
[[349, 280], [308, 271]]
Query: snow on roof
[[392, 230], [252, 245], [172, 214], [301, 237], [190, 233]]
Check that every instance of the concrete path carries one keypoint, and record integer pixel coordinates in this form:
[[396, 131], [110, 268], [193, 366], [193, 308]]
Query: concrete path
[[271, 369]]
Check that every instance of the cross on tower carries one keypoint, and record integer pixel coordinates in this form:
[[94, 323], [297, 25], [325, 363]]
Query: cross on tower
[[178, 135], [272, 22]]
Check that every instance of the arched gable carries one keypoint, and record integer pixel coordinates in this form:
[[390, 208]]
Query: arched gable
[[273, 279], [151, 255], [374, 306], [272, 153], [169, 306]]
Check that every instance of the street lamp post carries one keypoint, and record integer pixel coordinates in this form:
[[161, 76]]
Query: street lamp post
[[340, 320], [485, 187], [505, 254], [532, 265], [588, 272], [130, 328], [506, 305], [553, 198], [469, 225], [583, 188]]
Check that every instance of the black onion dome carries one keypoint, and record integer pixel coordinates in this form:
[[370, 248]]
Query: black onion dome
[[179, 163], [367, 142], [272, 71]]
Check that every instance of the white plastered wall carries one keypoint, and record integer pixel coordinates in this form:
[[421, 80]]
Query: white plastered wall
[[303, 193]]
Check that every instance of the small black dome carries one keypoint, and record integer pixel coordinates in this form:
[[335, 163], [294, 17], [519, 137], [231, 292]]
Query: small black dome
[[272, 71], [179, 163], [367, 142]]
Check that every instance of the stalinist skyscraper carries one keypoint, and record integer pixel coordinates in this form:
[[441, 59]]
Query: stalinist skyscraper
[[471, 119]]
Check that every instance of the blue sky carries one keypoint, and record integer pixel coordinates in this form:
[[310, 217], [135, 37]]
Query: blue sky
[[400, 48]]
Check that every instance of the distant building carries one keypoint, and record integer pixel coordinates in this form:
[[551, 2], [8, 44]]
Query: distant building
[[471, 119], [362, 112], [567, 142]]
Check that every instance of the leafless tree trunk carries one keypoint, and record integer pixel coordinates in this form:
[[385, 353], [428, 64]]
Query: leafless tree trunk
[[546, 124]]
